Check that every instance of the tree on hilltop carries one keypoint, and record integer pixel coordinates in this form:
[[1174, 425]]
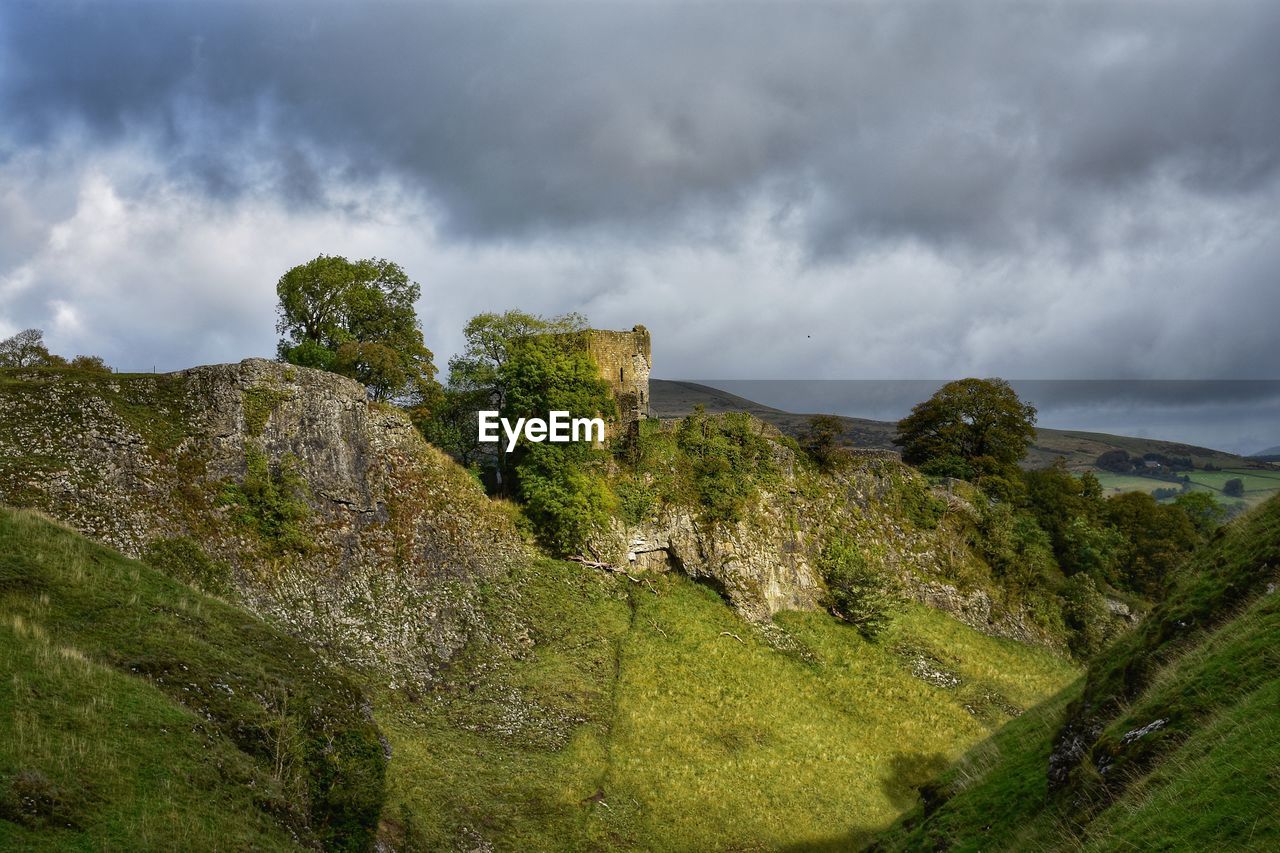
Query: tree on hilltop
[[356, 318], [479, 378], [970, 428], [27, 349]]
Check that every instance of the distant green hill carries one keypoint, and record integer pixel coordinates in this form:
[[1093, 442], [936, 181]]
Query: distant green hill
[[1271, 454], [136, 713], [1080, 449], [1172, 742]]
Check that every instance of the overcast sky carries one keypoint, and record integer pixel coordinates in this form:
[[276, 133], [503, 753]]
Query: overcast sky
[[777, 190]]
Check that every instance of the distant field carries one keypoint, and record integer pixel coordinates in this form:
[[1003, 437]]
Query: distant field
[[1114, 484], [1254, 481], [1258, 485]]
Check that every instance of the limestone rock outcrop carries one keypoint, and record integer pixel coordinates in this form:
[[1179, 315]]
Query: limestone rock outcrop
[[394, 536], [769, 561]]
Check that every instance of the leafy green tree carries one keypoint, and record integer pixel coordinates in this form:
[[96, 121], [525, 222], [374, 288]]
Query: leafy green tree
[[477, 379], [1016, 549], [1071, 510], [1157, 538], [357, 318], [27, 349], [1205, 512], [552, 372], [562, 486], [970, 428], [564, 493], [90, 363], [821, 438], [489, 339], [451, 425], [1233, 488], [858, 593], [1091, 546]]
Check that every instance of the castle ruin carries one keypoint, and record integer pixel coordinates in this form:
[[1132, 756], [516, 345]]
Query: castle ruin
[[624, 359]]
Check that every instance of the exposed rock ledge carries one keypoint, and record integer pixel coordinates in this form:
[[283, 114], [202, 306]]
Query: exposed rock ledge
[[400, 534]]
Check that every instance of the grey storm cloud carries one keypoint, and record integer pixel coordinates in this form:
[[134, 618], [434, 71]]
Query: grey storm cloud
[[968, 126], [778, 190]]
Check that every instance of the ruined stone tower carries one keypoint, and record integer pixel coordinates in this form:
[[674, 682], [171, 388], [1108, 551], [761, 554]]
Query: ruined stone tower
[[624, 359]]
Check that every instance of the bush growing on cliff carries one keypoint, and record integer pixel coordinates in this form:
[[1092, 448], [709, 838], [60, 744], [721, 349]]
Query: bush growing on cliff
[[861, 595], [821, 438], [728, 458], [271, 503], [636, 500], [564, 495], [920, 505], [1084, 610]]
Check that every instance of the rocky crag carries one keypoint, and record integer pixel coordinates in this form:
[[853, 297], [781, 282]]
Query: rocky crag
[[287, 490], [283, 487], [767, 561]]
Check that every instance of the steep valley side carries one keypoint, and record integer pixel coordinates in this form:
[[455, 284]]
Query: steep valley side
[[529, 703]]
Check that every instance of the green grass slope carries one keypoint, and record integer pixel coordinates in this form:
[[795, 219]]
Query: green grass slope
[[136, 713], [646, 715], [1171, 742]]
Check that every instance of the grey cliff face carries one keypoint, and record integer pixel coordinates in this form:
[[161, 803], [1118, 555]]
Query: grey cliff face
[[768, 562], [396, 535], [389, 541]]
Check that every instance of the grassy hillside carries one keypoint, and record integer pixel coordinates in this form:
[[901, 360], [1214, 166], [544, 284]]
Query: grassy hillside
[[1259, 485], [643, 715], [1171, 743], [646, 715], [136, 713]]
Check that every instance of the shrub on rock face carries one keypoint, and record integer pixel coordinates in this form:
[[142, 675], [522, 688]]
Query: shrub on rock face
[[1085, 611], [271, 503], [821, 438], [861, 595], [564, 496], [727, 458]]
